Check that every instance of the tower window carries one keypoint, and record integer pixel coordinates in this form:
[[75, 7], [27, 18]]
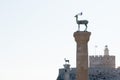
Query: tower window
[[65, 70]]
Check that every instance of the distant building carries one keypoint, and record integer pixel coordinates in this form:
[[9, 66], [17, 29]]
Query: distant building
[[101, 68], [102, 61]]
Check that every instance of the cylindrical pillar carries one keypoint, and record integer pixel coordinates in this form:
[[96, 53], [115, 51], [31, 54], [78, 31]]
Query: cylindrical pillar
[[67, 72], [82, 39]]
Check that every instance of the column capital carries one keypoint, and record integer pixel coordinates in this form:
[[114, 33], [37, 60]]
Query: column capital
[[81, 37]]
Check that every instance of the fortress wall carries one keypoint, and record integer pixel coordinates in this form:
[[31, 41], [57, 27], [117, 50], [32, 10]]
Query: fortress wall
[[102, 61]]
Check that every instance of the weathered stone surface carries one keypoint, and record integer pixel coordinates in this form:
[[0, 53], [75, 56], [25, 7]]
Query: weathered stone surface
[[82, 39]]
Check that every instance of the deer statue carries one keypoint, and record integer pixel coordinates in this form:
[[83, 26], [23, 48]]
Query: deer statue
[[85, 22], [66, 60]]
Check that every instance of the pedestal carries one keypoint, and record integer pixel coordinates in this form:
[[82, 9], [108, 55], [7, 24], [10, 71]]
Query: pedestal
[[82, 39]]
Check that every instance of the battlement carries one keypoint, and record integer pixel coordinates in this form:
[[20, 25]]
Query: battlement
[[97, 57], [102, 61]]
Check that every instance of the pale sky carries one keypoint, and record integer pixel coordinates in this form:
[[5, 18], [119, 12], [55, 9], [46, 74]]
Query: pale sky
[[36, 35]]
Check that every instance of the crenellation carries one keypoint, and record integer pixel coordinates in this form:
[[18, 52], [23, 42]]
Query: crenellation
[[102, 61]]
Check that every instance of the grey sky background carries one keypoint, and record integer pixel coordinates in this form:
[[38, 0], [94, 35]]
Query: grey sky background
[[36, 35]]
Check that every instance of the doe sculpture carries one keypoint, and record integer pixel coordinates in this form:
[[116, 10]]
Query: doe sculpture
[[79, 22]]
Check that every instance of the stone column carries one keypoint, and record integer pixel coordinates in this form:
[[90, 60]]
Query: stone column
[[82, 39], [67, 72]]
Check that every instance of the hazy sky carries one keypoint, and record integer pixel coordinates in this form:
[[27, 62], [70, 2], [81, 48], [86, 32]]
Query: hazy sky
[[36, 35]]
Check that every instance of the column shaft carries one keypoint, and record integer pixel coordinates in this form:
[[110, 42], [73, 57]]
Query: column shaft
[[82, 39]]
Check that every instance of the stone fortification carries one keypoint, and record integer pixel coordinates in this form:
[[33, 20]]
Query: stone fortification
[[105, 60]]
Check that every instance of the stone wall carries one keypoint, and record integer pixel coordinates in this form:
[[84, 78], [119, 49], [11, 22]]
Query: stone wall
[[102, 61]]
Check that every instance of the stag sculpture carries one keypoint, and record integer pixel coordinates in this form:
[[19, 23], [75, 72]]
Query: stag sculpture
[[85, 22], [66, 60]]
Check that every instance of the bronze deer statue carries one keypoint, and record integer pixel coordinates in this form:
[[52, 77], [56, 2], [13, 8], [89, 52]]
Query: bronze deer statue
[[85, 22]]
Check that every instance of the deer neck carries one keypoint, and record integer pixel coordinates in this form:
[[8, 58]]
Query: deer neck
[[76, 18]]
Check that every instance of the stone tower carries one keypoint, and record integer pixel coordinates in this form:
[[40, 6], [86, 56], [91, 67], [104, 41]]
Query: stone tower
[[67, 72], [82, 38], [106, 51], [103, 61]]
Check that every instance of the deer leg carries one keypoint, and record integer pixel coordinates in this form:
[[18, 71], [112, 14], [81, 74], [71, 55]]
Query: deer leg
[[78, 27], [86, 27]]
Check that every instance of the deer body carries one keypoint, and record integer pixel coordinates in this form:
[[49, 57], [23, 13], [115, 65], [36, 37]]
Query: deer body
[[84, 22]]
